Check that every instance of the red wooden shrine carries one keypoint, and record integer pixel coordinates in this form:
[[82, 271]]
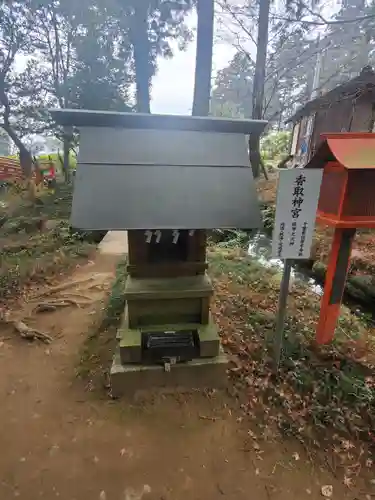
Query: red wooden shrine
[[346, 202]]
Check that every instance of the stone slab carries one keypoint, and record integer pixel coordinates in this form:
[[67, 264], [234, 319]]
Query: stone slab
[[165, 288], [130, 345], [144, 313], [169, 270], [130, 339], [209, 340], [203, 373]]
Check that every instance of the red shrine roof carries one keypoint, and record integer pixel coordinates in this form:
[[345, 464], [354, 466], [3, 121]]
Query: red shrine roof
[[351, 150]]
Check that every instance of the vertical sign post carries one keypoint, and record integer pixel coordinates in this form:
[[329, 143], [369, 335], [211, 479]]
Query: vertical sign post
[[296, 205]]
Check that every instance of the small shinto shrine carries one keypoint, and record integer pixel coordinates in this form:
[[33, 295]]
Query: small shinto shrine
[[165, 179], [346, 202], [349, 107]]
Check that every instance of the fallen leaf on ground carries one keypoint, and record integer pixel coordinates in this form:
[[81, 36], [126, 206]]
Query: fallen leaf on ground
[[348, 481], [327, 490]]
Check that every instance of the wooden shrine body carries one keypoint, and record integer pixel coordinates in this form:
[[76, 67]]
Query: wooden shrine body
[[346, 202], [165, 180], [168, 290]]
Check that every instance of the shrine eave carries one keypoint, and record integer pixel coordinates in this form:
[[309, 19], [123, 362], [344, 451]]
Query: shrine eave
[[90, 118]]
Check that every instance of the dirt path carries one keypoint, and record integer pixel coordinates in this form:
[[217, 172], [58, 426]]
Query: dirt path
[[59, 441]]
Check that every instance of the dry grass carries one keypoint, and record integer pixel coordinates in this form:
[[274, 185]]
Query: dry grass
[[323, 395], [37, 242]]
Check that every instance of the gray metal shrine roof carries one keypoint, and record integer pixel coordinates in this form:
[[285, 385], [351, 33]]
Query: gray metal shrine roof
[[140, 171], [89, 118]]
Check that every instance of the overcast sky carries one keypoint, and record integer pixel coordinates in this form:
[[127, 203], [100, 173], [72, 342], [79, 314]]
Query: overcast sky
[[172, 87]]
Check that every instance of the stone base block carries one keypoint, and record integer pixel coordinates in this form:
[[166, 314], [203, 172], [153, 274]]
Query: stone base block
[[168, 300], [130, 339], [202, 373], [209, 340], [168, 288]]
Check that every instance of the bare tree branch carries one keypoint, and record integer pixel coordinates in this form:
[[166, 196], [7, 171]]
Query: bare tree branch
[[226, 7], [323, 23]]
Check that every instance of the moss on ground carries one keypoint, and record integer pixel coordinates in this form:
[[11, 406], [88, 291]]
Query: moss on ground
[[37, 241]]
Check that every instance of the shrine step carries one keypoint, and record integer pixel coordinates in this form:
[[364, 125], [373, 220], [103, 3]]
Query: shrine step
[[170, 300], [167, 288], [167, 270], [130, 339], [201, 373]]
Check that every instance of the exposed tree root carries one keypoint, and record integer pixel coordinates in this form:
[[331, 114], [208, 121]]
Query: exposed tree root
[[53, 304], [26, 332], [30, 333], [46, 302], [79, 295], [60, 288], [66, 286]]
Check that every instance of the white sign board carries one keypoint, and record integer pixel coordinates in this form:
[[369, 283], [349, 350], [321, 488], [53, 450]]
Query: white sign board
[[297, 202]]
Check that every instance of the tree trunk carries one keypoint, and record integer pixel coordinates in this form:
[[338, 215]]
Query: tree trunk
[[66, 147], [67, 142], [259, 81], [142, 56], [203, 60], [26, 159], [280, 121]]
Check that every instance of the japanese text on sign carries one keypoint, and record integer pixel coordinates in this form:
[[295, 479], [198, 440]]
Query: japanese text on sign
[[297, 200]]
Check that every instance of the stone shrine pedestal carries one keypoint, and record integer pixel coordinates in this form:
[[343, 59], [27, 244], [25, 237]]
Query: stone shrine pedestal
[[167, 337]]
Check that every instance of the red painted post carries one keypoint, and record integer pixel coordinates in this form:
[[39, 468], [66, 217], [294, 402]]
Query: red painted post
[[334, 285]]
